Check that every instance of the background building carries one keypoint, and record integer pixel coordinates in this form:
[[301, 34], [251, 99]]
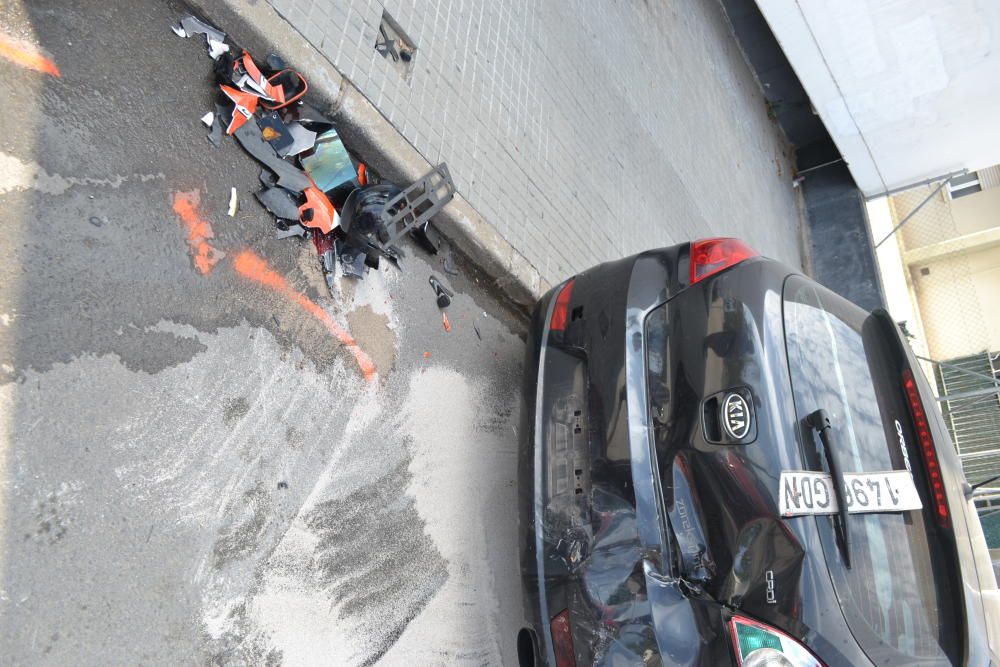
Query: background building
[[941, 268], [908, 90]]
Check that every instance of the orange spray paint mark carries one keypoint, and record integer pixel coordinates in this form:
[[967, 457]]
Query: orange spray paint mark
[[252, 266], [204, 255], [27, 55]]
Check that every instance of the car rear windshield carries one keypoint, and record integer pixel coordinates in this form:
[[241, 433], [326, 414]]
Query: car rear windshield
[[897, 596]]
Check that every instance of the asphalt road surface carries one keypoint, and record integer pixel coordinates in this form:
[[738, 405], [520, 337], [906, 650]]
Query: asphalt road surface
[[193, 467]]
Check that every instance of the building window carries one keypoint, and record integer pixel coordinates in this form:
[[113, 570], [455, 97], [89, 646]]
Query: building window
[[964, 185]]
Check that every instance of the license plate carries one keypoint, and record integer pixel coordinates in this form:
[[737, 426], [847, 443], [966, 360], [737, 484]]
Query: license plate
[[804, 492]]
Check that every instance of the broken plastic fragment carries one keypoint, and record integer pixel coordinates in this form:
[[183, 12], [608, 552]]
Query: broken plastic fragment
[[267, 179], [215, 38], [215, 131], [352, 259], [318, 212], [292, 84], [234, 203], [193, 26], [256, 78], [443, 293], [216, 48], [208, 118], [279, 202], [289, 177], [427, 237], [330, 165], [312, 118], [291, 230], [274, 131], [363, 208], [257, 82], [244, 106], [302, 140]]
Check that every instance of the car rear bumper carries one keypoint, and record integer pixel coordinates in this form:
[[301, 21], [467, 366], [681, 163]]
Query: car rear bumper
[[602, 559]]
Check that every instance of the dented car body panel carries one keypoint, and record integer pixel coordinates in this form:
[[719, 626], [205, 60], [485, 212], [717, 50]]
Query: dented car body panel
[[598, 543], [642, 514]]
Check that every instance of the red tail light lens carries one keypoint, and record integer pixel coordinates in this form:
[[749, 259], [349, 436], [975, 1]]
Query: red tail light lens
[[562, 640], [709, 256], [560, 312], [931, 465]]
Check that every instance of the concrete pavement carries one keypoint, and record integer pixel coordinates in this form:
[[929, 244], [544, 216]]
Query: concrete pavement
[[192, 468], [581, 131]]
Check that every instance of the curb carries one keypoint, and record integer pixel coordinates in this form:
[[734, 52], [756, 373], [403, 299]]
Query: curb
[[260, 28]]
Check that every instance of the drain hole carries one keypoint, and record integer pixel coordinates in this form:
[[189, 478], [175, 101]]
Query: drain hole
[[395, 46]]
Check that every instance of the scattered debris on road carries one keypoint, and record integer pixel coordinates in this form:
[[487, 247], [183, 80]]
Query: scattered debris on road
[[443, 293], [214, 38], [443, 299], [302, 140], [280, 203], [215, 129], [312, 183]]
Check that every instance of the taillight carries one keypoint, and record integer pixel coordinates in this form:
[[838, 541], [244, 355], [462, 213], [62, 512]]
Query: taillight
[[562, 640], [757, 644], [931, 465], [560, 312], [710, 256]]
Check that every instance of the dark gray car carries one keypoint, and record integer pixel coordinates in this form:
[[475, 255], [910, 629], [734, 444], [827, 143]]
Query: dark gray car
[[724, 462]]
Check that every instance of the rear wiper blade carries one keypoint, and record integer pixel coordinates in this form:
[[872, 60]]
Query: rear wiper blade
[[820, 422]]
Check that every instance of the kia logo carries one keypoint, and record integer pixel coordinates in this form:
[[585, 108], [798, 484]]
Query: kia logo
[[736, 416]]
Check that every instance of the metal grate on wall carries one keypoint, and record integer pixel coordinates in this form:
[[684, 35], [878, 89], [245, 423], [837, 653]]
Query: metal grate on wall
[[972, 412]]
